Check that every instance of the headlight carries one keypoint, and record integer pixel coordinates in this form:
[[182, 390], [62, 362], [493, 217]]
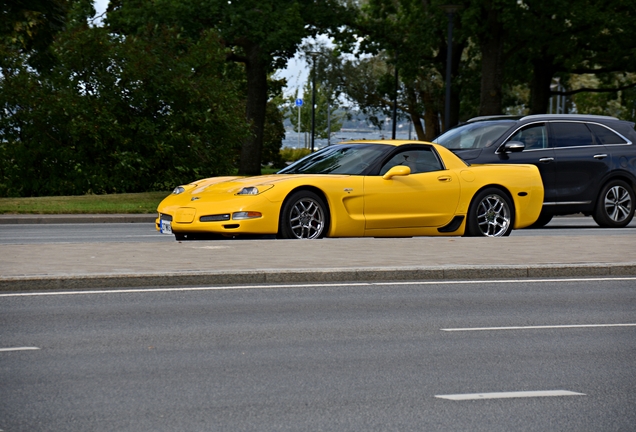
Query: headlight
[[253, 190], [178, 190]]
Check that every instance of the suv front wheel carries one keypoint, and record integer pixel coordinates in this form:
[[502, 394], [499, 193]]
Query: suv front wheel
[[615, 205]]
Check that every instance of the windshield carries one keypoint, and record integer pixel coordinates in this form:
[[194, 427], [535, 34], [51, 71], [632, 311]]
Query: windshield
[[338, 159], [474, 135]]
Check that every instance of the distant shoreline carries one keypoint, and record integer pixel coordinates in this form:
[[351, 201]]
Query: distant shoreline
[[292, 139]]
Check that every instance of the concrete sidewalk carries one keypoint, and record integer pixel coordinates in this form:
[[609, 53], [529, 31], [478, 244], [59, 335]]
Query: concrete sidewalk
[[121, 265]]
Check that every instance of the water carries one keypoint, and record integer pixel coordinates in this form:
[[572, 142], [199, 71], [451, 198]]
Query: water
[[292, 139]]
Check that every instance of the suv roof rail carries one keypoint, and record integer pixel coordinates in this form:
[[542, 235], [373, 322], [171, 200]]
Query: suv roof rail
[[566, 116], [494, 117]]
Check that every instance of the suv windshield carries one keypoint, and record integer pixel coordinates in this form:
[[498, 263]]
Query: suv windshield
[[338, 159], [474, 135]]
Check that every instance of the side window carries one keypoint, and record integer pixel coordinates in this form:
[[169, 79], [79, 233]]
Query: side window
[[605, 136], [535, 137], [570, 134], [419, 160]]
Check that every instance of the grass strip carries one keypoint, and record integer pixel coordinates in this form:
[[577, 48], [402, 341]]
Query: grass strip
[[126, 203]]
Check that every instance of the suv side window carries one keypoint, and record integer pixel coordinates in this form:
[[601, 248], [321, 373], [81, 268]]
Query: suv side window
[[605, 136], [535, 137], [571, 134]]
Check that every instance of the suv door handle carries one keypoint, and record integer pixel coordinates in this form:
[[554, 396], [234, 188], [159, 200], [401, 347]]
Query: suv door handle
[[546, 160], [600, 156]]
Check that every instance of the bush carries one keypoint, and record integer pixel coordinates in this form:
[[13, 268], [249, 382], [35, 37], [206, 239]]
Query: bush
[[289, 154]]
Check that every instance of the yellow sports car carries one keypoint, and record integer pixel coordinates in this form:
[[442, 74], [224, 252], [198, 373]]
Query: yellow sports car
[[355, 189]]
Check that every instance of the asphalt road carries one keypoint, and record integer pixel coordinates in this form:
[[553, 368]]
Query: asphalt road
[[358, 357], [145, 232]]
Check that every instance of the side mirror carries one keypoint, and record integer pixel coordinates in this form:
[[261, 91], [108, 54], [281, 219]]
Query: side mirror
[[514, 146], [398, 170]]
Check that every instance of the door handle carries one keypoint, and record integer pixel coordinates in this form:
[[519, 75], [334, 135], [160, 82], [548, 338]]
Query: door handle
[[600, 156], [546, 160], [445, 178]]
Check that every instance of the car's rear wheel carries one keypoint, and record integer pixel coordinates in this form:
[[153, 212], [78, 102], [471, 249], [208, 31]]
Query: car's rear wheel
[[615, 205], [304, 216], [491, 214]]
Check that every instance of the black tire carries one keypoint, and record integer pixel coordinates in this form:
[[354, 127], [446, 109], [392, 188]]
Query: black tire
[[491, 214], [304, 216], [544, 219], [614, 205]]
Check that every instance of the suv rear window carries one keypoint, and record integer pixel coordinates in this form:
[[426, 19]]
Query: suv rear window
[[605, 135]]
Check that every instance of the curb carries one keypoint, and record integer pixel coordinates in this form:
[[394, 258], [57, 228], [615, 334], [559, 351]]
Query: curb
[[38, 283]]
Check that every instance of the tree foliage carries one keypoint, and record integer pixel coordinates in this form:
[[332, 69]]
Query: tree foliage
[[119, 114], [506, 56], [27, 28], [170, 90], [260, 34]]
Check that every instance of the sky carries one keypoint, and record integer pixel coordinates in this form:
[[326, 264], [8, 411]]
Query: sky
[[296, 72]]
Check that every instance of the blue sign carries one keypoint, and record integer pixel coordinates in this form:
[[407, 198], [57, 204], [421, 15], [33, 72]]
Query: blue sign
[[299, 102]]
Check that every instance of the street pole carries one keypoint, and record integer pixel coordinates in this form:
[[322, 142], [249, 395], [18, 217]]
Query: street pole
[[314, 55], [394, 120], [328, 121]]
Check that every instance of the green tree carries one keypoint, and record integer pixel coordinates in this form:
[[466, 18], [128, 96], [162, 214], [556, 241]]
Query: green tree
[[120, 114], [410, 36], [260, 34], [27, 28]]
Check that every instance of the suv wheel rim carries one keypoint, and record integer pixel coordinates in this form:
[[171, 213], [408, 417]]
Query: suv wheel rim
[[618, 203], [493, 216]]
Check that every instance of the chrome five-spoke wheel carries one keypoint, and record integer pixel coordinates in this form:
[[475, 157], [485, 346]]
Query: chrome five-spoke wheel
[[304, 216], [491, 214]]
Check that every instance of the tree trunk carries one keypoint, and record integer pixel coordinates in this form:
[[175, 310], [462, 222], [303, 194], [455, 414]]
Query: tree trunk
[[256, 68], [431, 125], [458, 50], [431, 116], [492, 65], [414, 114], [416, 121], [543, 71]]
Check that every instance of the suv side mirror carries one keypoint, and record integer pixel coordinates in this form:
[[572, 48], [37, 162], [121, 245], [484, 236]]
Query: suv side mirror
[[514, 146]]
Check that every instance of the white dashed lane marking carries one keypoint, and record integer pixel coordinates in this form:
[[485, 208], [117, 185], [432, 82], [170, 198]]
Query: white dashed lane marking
[[565, 326], [19, 349], [508, 395]]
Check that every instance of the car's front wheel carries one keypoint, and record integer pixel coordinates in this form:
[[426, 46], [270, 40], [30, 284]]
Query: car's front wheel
[[304, 216], [491, 214], [615, 205]]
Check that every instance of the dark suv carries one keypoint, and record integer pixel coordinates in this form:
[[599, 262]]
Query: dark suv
[[587, 162]]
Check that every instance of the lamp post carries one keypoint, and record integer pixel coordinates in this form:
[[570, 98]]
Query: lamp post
[[313, 55], [450, 13]]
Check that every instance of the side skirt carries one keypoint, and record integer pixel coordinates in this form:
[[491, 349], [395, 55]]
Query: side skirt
[[453, 225]]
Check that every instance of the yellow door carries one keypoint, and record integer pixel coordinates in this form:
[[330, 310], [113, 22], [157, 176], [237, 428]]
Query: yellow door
[[427, 199]]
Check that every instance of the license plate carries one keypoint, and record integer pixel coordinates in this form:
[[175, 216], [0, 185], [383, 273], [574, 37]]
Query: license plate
[[165, 227]]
